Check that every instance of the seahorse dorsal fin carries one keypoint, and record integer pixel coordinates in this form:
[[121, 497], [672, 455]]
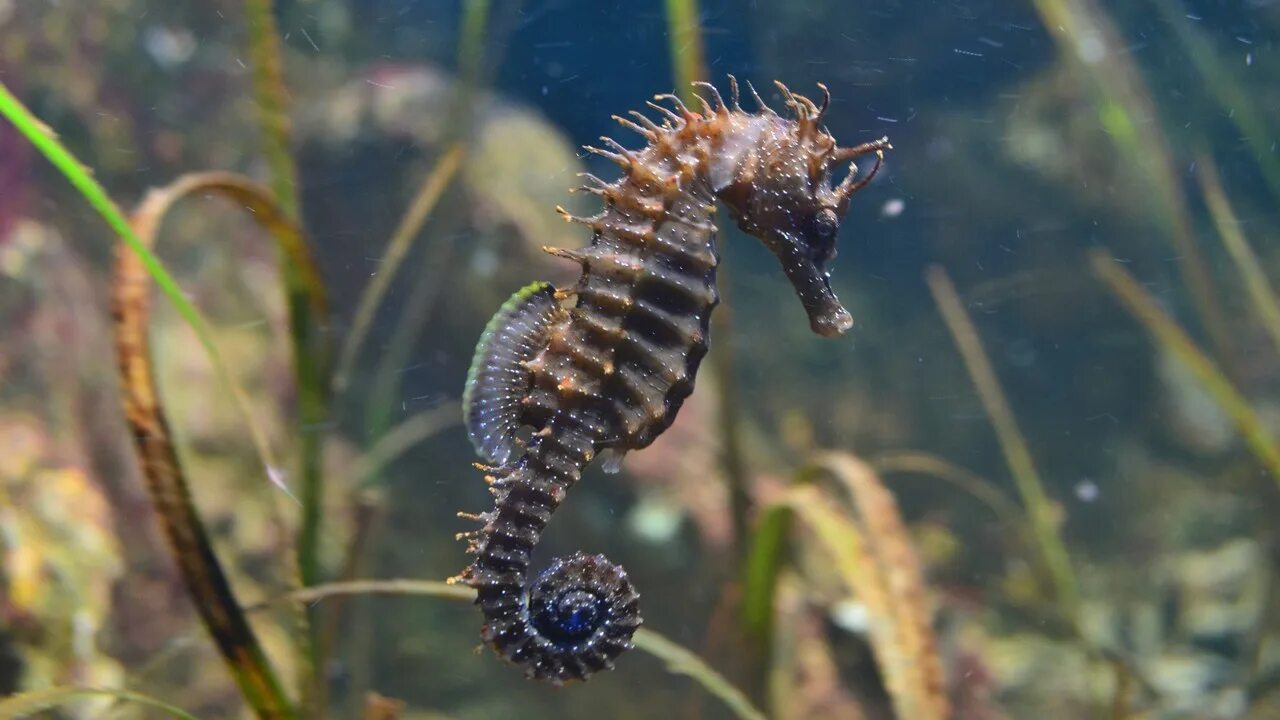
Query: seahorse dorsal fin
[[498, 379]]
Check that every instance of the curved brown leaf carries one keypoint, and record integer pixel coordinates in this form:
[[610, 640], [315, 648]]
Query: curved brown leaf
[[910, 648], [201, 571]]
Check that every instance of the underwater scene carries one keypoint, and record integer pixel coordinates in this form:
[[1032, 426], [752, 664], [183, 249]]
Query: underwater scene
[[697, 359]]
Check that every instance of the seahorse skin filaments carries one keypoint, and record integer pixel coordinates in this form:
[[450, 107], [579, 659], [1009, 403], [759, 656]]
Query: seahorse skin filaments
[[609, 372]]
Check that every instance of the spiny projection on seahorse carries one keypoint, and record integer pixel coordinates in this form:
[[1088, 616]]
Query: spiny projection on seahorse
[[561, 376]]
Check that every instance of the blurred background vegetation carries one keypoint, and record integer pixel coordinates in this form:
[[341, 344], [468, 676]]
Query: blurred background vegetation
[[1064, 364]]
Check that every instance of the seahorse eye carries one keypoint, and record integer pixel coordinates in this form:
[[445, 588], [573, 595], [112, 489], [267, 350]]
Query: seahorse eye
[[826, 225]]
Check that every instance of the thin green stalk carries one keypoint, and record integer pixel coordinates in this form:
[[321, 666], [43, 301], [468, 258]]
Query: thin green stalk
[[397, 586], [679, 660], [272, 98], [308, 350], [80, 177], [474, 26], [684, 38], [1175, 341], [397, 250], [1238, 104], [34, 702], [475, 23], [43, 139], [1014, 447], [768, 551], [310, 355], [1088, 39], [366, 469], [974, 485], [732, 457], [438, 251], [1256, 284], [413, 319]]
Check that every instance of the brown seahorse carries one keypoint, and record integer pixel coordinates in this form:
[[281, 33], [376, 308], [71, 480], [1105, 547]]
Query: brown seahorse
[[551, 387]]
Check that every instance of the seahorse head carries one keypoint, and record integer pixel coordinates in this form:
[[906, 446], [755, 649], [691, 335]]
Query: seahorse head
[[783, 193]]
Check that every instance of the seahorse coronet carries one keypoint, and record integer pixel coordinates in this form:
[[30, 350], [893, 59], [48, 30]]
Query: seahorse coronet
[[609, 373]]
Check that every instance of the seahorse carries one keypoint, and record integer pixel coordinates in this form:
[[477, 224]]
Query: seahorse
[[553, 386]]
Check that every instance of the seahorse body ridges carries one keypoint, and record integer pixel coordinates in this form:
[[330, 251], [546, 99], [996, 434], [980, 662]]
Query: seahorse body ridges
[[610, 372]]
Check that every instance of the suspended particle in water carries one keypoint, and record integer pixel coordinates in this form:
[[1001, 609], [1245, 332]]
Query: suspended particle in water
[[892, 208], [1087, 491]]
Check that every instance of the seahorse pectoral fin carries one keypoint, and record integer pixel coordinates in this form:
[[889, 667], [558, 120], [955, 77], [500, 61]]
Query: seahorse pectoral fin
[[498, 379]]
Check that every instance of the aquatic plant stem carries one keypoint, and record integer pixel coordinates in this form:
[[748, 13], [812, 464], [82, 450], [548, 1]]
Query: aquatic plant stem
[[874, 556], [413, 318], [398, 586], [400, 439], [684, 39], [1174, 340], [876, 510], [254, 674], [1235, 100], [1256, 284], [765, 561], [1128, 115], [272, 98], [475, 21], [679, 660], [81, 178], [258, 202], [472, 28], [439, 250], [1035, 500], [397, 250], [35, 702], [863, 533], [975, 486], [864, 536], [732, 459], [310, 351], [206, 582]]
